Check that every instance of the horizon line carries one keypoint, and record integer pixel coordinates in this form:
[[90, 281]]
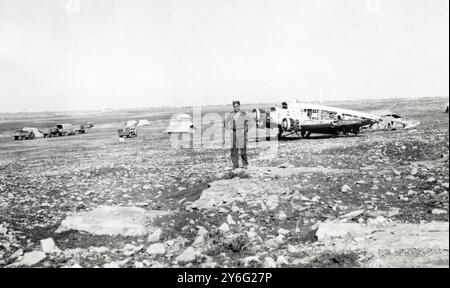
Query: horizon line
[[219, 104]]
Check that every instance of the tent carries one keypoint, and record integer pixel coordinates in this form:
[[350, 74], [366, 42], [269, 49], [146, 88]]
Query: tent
[[37, 132], [131, 123], [181, 123], [143, 122]]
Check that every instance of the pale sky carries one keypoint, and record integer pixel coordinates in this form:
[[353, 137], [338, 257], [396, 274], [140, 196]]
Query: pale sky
[[95, 54]]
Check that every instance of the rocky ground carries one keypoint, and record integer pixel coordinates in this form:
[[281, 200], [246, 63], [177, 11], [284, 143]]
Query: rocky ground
[[189, 209]]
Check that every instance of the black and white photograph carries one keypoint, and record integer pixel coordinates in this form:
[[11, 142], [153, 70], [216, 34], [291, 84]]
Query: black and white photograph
[[224, 134]]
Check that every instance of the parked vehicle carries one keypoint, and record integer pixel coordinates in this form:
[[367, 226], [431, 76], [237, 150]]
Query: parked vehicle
[[128, 132], [66, 129], [80, 130], [53, 132], [20, 134]]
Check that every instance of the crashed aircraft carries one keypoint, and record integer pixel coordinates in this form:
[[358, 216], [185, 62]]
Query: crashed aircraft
[[304, 119], [391, 121]]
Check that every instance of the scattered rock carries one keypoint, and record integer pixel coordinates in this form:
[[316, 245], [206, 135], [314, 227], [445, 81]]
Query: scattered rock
[[330, 230], [115, 264], [188, 255], [235, 209], [292, 249], [31, 258], [16, 254], [352, 215], [129, 249], [269, 263], [48, 246], [3, 230], [138, 265], [224, 227], [281, 261], [154, 237], [241, 173], [112, 220], [251, 261], [286, 165], [411, 192], [272, 202], [99, 250], [230, 220], [410, 245], [156, 249], [282, 231], [274, 243], [281, 216], [200, 240], [438, 211], [75, 265], [377, 221], [346, 188]]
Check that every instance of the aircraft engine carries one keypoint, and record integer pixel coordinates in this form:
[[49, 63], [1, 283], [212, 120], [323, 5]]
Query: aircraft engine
[[286, 124], [261, 117], [274, 117], [290, 124], [256, 114]]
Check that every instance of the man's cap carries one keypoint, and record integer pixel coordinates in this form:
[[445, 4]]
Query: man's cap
[[236, 102]]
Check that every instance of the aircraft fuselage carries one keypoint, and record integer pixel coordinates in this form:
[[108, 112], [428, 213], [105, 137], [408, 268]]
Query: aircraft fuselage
[[305, 118]]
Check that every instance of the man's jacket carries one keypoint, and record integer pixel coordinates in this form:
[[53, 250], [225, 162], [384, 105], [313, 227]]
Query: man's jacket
[[238, 122]]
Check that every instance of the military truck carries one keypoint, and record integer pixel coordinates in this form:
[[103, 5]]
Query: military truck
[[52, 132], [21, 134], [66, 129], [80, 130], [127, 132]]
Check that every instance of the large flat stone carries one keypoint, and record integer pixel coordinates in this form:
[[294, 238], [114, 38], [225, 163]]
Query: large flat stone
[[227, 191], [390, 244], [30, 259], [113, 220], [265, 171], [220, 193]]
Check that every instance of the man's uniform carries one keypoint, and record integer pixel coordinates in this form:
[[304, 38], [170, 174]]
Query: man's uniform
[[238, 121]]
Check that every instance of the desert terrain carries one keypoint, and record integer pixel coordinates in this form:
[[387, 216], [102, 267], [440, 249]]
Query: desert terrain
[[290, 209]]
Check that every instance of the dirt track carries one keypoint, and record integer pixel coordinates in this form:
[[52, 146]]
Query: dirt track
[[44, 180]]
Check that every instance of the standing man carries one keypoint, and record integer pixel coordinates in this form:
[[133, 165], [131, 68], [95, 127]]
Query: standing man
[[238, 121]]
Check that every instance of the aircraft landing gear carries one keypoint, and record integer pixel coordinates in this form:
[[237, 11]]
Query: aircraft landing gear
[[343, 132], [305, 134], [280, 132]]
